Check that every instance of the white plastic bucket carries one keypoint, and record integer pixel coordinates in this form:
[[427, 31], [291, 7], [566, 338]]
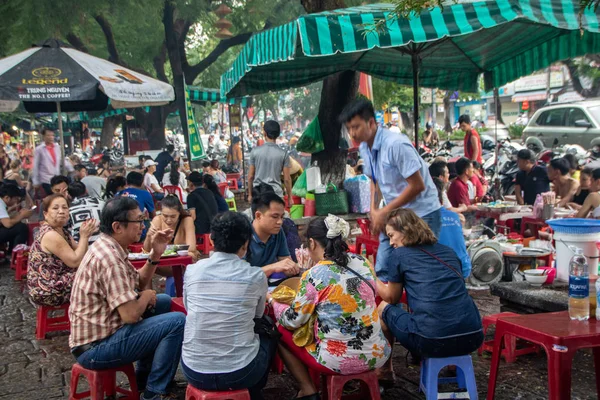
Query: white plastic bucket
[[585, 242]]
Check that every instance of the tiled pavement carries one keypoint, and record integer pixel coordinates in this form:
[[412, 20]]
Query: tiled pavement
[[31, 369]]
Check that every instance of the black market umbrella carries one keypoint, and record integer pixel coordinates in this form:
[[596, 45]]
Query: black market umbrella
[[53, 77]]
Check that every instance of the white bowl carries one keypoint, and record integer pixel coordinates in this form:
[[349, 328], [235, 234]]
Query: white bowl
[[535, 277], [182, 253]]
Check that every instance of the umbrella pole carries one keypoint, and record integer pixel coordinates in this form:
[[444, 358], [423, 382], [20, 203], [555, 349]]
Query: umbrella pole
[[415, 69], [62, 139]]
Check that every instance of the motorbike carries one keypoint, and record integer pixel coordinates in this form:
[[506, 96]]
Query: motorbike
[[116, 157], [507, 169]]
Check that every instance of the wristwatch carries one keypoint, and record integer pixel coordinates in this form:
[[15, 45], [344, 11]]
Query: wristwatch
[[153, 262]]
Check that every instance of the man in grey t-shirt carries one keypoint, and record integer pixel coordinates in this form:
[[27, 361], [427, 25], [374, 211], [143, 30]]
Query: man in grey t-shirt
[[268, 162]]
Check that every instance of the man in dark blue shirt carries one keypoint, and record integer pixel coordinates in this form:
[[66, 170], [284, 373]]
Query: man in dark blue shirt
[[531, 180], [163, 159], [268, 246], [135, 180]]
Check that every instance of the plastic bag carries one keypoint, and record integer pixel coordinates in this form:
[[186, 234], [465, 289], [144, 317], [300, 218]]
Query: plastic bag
[[299, 188], [283, 294], [305, 335], [311, 140], [313, 178]]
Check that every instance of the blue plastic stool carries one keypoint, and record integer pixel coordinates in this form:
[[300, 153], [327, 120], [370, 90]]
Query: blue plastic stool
[[465, 375], [170, 287]]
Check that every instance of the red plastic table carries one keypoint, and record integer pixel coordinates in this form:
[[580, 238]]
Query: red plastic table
[[537, 224], [177, 265], [559, 336]]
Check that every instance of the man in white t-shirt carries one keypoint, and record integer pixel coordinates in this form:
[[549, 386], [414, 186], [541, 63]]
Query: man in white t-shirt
[[94, 184], [11, 228], [150, 181]]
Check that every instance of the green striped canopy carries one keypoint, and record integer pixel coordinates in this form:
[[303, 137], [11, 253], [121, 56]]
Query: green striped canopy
[[503, 39], [201, 95]]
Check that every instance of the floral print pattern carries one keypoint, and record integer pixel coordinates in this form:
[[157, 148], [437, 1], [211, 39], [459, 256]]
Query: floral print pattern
[[348, 335], [48, 278]]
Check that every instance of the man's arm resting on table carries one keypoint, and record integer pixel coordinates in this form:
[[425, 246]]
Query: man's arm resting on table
[[518, 195], [390, 292], [416, 185], [279, 266], [132, 311], [10, 222]]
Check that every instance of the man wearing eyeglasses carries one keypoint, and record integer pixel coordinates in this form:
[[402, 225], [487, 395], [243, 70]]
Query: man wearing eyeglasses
[[116, 317]]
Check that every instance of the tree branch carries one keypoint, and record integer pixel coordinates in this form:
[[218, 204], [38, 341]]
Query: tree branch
[[76, 42], [575, 79], [159, 63], [191, 72], [113, 53], [183, 28]]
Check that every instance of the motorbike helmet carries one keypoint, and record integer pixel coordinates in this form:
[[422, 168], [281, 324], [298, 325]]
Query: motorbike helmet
[[595, 148], [534, 144]]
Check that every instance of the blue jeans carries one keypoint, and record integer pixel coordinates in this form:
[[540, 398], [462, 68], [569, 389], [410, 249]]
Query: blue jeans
[[400, 324], [155, 342], [252, 377], [434, 220]]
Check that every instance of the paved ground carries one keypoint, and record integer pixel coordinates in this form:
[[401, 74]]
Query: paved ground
[[31, 369]]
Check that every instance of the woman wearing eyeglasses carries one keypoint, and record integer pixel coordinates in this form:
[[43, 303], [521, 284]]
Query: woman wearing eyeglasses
[[174, 217]]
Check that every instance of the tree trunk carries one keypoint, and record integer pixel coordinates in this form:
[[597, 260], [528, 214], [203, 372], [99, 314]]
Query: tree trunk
[[498, 106], [153, 124], [338, 90], [447, 124], [109, 126], [408, 123]]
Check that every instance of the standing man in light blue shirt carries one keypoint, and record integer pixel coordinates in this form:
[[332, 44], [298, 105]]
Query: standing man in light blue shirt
[[396, 170]]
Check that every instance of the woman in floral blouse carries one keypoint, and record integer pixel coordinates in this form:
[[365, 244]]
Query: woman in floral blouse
[[55, 255], [339, 289]]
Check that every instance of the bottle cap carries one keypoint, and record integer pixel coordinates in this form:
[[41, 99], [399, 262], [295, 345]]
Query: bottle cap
[[578, 251]]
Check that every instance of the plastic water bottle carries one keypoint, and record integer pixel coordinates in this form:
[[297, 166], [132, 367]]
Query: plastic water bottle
[[598, 298], [579, 287]]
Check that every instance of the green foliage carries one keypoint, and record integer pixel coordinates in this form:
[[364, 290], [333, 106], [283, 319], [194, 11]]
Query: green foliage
[[304, 102], [516, 131], [388, 94]]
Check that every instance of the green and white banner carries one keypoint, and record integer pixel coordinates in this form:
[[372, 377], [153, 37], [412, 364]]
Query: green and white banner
[[196, 148]]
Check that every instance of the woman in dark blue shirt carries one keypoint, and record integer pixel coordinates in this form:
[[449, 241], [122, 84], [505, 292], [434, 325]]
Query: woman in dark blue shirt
[[444, 321], [210, 184]]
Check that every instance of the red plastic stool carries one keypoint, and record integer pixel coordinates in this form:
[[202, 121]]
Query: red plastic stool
[[334, 385], [232, 183], [21, 264], [277, 365], [193, 393], [510, 351], [177, 305], [103, 382], [47, 324], [204, 244]]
